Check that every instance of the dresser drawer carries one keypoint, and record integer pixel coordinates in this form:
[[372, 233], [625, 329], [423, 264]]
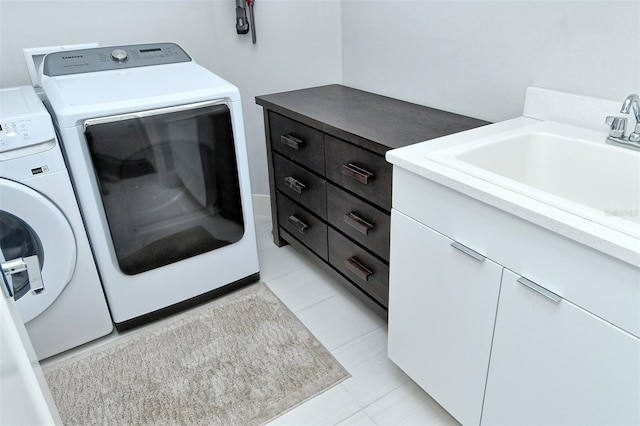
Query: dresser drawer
[[360, 266], [359, 220], [300, 185], [360, 171], [304, 226], [297, 141]]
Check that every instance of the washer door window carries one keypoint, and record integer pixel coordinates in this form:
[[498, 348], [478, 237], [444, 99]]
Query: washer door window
[[37, 249], [168, 182], [21, 256]]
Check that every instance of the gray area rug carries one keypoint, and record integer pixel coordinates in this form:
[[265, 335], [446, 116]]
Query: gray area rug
[[243, 359]]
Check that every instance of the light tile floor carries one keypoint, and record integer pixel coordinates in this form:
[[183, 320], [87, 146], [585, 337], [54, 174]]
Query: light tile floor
[[378, 392]]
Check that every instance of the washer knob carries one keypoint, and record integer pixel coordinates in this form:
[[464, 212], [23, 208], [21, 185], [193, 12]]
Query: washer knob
[[119, 55]]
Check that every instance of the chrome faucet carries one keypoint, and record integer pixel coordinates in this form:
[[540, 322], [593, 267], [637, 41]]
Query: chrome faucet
[[631, 101], [617, 125]]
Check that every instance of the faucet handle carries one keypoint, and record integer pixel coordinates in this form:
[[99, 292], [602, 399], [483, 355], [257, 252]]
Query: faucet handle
[[617, 126], [635, 135]]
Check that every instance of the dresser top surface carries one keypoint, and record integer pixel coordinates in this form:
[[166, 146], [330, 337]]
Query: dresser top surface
[[376, 122]]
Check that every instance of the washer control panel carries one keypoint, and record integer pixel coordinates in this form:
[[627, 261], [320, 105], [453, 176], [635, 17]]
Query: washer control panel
[[24, 121], [24, 132], [112, 58]]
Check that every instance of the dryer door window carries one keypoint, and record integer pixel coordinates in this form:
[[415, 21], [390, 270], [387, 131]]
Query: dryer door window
[[36, 236], [168, 182]]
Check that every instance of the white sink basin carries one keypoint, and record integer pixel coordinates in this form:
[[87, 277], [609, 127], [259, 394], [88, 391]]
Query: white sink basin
[[568, 167]]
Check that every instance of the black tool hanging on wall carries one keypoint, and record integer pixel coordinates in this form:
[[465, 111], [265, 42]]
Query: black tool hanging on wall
[[242, 25]]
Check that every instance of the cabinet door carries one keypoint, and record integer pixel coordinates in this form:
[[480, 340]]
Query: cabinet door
[[555, 364], [442, 308]]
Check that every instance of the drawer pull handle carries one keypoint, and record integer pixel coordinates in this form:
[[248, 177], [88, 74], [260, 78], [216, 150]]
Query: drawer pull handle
[[357, 173], [357, 268], [359, 224], [291, 141], [466, 250], [297, 223], [294, 185], [539, 289]]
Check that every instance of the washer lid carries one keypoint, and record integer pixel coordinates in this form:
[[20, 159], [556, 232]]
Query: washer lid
[[27, 214]]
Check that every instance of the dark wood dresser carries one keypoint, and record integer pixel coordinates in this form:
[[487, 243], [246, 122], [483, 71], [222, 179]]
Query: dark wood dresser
[[330, 185]]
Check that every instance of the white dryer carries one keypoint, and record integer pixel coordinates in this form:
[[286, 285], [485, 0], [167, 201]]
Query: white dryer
[[47, 265], [156, 149]]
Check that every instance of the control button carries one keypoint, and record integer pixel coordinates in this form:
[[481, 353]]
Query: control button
[[119, 55]]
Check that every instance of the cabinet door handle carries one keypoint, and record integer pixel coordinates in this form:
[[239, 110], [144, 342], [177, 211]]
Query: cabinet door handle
[[291, 141], [357, 173], [358, 268], [294, 185], [357, 223], [539, 289], [297, 223], [466, 250]]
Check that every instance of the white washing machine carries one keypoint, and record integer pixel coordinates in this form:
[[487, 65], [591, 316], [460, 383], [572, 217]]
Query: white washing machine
[[47, 265], [156, 149]]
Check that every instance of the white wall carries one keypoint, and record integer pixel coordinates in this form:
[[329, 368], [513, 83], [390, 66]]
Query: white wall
[[298, 44], [474, 57], [477, 57]]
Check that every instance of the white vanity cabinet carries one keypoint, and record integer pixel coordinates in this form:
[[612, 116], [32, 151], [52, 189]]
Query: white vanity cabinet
[[541, 331], [554, 363], [448, 299]]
